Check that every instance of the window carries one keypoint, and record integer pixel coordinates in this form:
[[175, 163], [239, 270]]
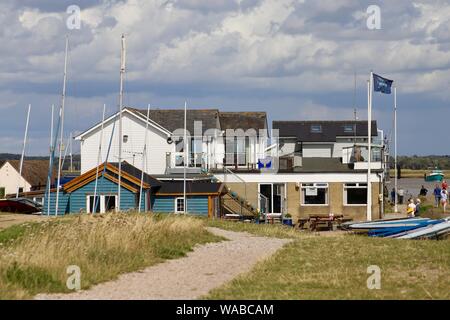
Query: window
[[20, 190], [179, 152], [314, 194], [103, 203], [125, 139], [355, 194], [2, 192], [179, 205], [348, 128], [93, 205], [110, 203], [38, 200], [196, 149], [316, 128]]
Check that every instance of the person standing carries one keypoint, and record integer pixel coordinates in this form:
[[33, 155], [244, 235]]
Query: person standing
[[411, 208], [437, 195], [393, 195], [423, 191], [444, 185], [444, 198], [401, 194], [417, 212]]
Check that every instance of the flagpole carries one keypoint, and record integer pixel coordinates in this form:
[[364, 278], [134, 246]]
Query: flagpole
[[369, 147], [395, 152], [185, 159], [122, 72], [144, 159]]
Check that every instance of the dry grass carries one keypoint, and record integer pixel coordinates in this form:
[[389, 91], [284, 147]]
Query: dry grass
[[34, 257], [335, 267]]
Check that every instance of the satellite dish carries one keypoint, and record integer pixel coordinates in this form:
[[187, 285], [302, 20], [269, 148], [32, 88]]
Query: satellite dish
[[169, 140]]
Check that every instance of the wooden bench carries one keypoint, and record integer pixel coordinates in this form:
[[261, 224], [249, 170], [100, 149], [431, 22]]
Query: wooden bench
[[328, 221]]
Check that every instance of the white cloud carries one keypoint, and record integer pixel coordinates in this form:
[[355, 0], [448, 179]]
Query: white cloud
[[305, 50]]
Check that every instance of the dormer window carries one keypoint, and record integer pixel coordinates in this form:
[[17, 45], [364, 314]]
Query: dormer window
[[316, 128], [348, 128]]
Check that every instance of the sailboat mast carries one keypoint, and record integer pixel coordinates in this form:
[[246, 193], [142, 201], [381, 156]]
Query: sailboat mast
[[185, 159], [49, 178], [122, 73], [23, 150], [71, 152], [144, 159], [354, 111], [61, 115], [94, 210]]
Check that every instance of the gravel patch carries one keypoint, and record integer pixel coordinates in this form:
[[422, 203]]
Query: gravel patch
[[208, 266], [9, 219]]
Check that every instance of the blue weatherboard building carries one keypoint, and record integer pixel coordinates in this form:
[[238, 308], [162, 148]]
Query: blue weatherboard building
[[76, 196], [202, 197]]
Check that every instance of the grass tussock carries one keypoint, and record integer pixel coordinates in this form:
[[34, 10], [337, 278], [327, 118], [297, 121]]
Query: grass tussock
[[335, 267], [264, 230], [34, 257]]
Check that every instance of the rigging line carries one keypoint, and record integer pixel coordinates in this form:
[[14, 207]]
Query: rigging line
[[52, 160], [77, 116], [106, 159], [65, 152]]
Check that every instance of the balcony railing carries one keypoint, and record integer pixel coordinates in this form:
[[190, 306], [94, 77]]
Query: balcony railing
[[290, 161], [217, 161]]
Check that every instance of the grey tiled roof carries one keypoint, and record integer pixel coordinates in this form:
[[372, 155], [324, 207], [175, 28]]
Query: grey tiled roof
[[243, 120], [172, 119], [135, 172]]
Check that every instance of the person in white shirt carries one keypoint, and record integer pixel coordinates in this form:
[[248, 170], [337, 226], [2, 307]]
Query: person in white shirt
[[411, 208], [444, 198]]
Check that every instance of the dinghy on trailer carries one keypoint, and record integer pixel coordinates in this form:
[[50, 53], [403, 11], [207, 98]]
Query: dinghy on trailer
[[432, 231], [381, 224], [399, 230], [20, 205]]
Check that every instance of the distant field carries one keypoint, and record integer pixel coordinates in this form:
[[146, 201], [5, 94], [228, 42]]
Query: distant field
[[408, 173], [335, 267]]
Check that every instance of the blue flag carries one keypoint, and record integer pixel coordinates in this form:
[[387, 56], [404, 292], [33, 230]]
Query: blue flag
[[381, 84]]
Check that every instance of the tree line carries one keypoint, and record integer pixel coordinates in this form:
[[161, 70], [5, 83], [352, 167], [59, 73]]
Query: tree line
[[422, 162]]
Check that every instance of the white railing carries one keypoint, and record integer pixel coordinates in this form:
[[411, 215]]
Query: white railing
[[360, 153], [207, 161]]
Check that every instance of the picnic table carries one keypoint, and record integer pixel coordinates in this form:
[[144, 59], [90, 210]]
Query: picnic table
[[328, 221]]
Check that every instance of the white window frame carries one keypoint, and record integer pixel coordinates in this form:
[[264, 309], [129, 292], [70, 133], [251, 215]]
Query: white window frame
[[102, 202], [284, 203], [316, 128], [346, 128], [319, 185], [176, 205], [38, 200], [357, 186]]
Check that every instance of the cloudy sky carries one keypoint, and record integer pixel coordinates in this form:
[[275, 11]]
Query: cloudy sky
[[294, 59]]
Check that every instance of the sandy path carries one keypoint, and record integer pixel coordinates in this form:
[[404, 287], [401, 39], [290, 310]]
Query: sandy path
[[190, 277], [9, 219]]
